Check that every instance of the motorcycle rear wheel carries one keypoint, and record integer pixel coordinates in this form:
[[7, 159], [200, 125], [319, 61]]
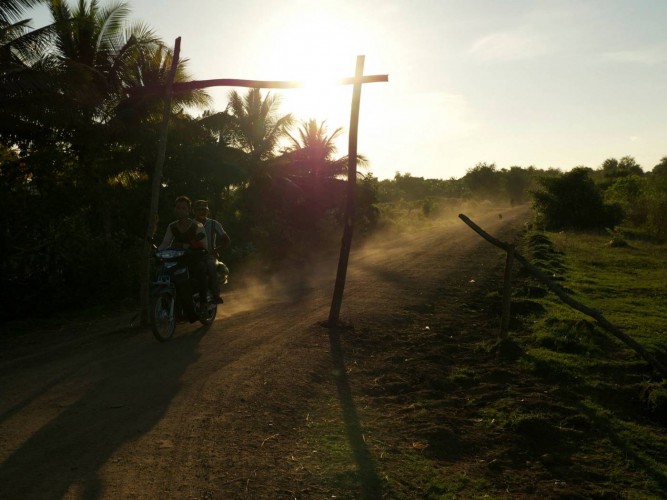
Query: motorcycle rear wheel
[[163, 318], [211, 312]]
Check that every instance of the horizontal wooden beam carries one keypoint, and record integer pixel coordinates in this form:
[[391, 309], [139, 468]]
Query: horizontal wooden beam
[[236, 82]]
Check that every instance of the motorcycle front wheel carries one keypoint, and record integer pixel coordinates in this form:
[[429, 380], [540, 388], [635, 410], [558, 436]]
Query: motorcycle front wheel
[[163, 317]]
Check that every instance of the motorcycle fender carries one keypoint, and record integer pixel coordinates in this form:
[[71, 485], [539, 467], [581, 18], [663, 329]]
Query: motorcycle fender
[[159, 289]]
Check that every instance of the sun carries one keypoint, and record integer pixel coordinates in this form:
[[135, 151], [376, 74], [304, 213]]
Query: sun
[[317, 47]]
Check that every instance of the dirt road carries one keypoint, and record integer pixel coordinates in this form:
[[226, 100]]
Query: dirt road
[[89, 411]]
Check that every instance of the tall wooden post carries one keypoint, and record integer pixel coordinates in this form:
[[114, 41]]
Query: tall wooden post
[[507, 293], [155, 189], [346, 242]]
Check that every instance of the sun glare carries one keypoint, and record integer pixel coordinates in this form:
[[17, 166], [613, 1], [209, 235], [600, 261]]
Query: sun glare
[[318, 48]]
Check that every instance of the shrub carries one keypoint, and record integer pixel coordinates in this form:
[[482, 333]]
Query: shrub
[[573, 201]]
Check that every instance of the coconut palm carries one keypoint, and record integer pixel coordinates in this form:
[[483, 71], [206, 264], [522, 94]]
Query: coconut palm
[[100, 55], [19, 44], [13, 10], [312, 152], [23, 70], [313, 148], [94, 51], [150, 68], [258, 128]]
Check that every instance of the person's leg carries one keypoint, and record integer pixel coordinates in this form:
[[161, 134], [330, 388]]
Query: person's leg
[[197, 267], [213, 280], [202, 285]]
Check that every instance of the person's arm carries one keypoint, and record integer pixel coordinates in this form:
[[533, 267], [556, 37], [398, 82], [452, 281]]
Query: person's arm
[[167, 240], [200, 234], [223, 236]]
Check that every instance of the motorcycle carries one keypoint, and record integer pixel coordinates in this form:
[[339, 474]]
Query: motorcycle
[[174, 295]]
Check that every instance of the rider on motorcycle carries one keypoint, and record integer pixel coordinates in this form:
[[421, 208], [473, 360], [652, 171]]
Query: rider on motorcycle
[[216, 238], [184, 233]]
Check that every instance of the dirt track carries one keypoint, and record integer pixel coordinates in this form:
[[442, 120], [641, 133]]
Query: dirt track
[[93, 412]]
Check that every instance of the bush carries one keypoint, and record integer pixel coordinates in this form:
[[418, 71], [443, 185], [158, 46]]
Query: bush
[[573, 201]]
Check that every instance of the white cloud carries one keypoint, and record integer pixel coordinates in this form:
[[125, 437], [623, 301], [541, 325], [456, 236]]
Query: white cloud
[[506, 46]]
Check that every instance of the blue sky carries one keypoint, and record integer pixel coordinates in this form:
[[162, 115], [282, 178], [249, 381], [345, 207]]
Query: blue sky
[[526, 82]]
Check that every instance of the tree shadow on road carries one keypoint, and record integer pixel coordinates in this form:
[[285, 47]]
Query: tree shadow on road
[[127, 391], [371, 486]]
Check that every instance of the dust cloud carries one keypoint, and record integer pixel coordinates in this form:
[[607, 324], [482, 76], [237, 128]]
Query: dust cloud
[[255, 286]]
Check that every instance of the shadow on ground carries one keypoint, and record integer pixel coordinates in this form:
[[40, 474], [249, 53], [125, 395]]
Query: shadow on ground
[[134, 381]]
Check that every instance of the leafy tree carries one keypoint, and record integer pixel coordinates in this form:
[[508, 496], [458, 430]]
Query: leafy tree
[[660, 170], [483, 181], [518, 182], [81, 151], [613, 169], [656, 200], [630, 193], [99, 56], [573, 201], [253, 129]]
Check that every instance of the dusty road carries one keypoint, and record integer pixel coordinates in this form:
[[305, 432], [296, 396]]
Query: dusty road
[[97, 412]]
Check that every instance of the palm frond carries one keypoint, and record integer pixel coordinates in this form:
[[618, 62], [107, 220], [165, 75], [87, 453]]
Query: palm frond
[[12, 10]]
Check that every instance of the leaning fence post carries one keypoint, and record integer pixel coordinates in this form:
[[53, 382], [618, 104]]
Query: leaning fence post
[[562, 295], [507, 292]]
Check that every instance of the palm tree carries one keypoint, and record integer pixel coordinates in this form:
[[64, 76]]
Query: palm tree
[[310, 164], [99, 55], [18, 44], [23, 71], [312, 152], [258, 128], [12, 10], [150, 68], [94, 52]]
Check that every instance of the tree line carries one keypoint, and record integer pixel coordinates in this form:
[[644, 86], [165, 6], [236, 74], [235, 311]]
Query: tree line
[[77, 153], [617, 193]]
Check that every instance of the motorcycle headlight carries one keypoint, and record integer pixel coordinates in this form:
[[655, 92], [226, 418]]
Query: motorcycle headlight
[[170, 253]]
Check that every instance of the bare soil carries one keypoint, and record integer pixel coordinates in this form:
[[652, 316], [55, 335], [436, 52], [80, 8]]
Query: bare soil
[[268, 403]]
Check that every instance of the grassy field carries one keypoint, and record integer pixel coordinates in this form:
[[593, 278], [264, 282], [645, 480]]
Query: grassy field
[[618, 398], [567, 411]]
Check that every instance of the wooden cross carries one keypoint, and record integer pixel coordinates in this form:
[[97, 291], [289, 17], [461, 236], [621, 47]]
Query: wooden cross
[[172, 87]]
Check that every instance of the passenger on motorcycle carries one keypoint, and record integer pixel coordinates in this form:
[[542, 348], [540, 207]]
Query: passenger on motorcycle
[[216, 237], [184, 233]]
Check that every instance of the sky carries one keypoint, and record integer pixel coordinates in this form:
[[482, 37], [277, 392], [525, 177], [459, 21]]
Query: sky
[[549, 84]]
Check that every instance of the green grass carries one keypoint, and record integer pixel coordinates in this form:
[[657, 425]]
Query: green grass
[[627, 284], [612, 387]]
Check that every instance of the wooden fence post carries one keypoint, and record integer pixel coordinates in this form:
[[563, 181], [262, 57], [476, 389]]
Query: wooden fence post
[[155, 190], [346, 242], [565, 297], [507, 293]]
